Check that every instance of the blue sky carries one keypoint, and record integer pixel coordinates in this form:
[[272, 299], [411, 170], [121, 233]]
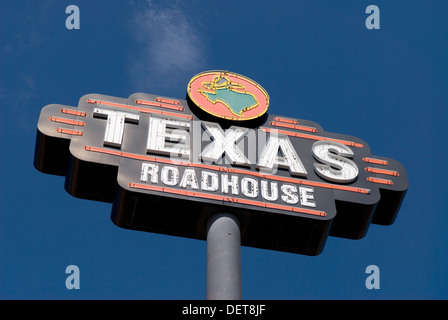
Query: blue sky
[[317, 61]]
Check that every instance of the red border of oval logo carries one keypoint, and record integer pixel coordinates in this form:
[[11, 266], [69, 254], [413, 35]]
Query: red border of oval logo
[[228, 95]]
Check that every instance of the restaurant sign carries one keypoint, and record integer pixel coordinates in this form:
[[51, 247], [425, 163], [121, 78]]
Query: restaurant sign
[[169, 164]]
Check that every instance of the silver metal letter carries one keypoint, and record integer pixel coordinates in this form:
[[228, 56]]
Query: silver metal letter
[[189, 179], [290, 194], [115, 124], [270, 158], [307, 197], [264, 190], [149, 169], [169, 175], [249, 187], [334, 163], [168, 137], [224, 142], [209, 181], [225, 184]]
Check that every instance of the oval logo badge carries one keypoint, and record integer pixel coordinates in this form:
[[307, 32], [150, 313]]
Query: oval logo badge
[[228, 95]]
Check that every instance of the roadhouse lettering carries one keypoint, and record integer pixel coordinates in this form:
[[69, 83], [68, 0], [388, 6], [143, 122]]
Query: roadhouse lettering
[[210, 181]]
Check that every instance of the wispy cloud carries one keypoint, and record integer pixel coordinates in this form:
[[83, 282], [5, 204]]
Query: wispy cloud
[[168, 46]]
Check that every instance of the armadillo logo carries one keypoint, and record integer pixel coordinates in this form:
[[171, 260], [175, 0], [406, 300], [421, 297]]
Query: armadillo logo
[[228, 95]]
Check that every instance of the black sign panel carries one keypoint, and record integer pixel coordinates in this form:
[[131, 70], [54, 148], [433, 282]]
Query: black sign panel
[[167, 168]]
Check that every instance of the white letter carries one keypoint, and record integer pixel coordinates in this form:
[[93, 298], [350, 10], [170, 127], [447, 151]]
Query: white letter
[[189, 179], [336, 167], [373, 281], [149, 169], [264, 190], [249, 187], [72, 21], [306, 197], [209, 181], [169, 175], [169, 137], [224, 143], [230, 309], [290, 194], [373, 21], [115, 124], [270, 158], [225, 184], [72, 281]]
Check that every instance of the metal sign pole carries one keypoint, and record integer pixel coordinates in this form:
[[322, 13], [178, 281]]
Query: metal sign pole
[[223, 258]]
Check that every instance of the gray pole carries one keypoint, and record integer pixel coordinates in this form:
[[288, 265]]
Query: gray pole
[[223, 258]]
